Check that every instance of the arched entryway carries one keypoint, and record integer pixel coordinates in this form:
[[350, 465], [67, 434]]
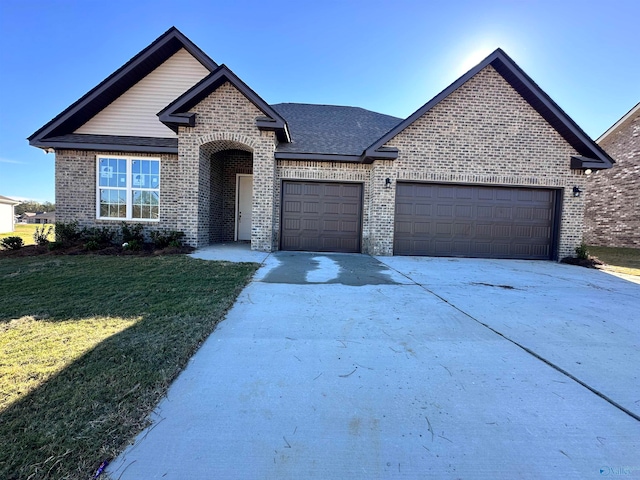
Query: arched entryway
[[226, 192]]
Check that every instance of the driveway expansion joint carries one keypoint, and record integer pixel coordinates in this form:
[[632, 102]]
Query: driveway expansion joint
[[528, 350]]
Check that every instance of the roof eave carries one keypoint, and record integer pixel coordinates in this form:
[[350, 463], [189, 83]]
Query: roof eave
[[173, 34], [381, 153], [318, 157], [619, 123], [180, 106], [500, 60], [108, 147], [578, 162]]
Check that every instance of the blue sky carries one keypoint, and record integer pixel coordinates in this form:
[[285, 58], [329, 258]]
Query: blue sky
[[387, 56]]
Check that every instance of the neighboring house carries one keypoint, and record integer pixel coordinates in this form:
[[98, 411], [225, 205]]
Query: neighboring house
[[7, 214], [42, 218], [612, 215], [24, 218], [487, 168]]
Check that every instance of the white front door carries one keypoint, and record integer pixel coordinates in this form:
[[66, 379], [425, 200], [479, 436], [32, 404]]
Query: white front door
[[244, 203]]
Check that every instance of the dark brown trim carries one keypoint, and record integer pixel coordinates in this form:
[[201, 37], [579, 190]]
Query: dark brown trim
[[529, 90], [106, 147], [557, 222], [317, 157], [173, 114], [119, 82], [582, 163]]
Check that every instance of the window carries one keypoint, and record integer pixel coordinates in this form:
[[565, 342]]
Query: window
[[128, 188]]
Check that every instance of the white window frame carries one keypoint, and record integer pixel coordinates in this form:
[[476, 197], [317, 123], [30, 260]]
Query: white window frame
[[129, 188]]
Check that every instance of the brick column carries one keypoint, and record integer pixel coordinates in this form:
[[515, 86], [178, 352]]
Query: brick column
[[264, 177], [382, 208]]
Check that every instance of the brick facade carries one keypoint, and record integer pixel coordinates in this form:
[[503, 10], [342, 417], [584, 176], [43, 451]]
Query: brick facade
[[483, 133], [75, 179], [225, 120], [612, 216]]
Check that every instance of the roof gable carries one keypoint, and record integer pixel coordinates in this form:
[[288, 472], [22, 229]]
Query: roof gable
[[117, 83], [590, 154], [635, 111], [177, 112]]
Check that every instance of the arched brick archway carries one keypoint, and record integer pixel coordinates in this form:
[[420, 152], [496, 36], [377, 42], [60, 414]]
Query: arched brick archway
[[225, 182]]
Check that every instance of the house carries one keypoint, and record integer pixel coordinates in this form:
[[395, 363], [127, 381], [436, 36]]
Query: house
[[612, 215], [490, 167], [24, 218], [7, 214], [42, 218]]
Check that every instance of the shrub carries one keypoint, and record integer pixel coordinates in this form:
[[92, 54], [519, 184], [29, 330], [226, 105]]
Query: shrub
[[12, 243], [131, 233], [582, 251], [55, 245], [98, 235], [169, 239], [92, 245], [40, 236], [67, 233]]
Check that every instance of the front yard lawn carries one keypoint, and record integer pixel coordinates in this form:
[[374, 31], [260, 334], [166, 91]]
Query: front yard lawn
[[621, 260], [90, 344]]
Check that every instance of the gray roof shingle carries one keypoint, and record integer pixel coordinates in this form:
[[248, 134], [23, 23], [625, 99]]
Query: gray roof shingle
[[330, 129]]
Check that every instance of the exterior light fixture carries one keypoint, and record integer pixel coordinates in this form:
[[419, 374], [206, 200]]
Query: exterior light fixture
[[576, 191], [387, 183], [588, 172]]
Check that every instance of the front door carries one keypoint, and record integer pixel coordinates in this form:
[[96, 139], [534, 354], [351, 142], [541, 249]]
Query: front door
[[244, 203]]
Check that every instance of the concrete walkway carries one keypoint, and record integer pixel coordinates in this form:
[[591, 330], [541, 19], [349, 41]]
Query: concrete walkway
[[349, 366]]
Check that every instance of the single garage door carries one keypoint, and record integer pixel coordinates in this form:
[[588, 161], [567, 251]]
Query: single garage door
[[474, 221], [321, 216]]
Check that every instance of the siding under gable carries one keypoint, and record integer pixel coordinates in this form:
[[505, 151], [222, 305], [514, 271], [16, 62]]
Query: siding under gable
[[134, 112]]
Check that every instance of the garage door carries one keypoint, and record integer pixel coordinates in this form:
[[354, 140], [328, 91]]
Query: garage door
[[321, 216], [474, 221]]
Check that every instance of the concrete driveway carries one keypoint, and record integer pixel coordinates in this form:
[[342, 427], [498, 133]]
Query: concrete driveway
[[349, 366]]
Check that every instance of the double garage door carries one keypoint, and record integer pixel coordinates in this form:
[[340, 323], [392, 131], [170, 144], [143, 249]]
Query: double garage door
[[474, 221], [430, 219]]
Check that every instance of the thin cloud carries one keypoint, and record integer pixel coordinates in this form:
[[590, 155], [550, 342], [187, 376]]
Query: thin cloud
[[15, 162]]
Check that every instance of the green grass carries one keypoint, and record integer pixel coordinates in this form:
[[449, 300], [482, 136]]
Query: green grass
[[621, 260], [90, 344], [26, 231]]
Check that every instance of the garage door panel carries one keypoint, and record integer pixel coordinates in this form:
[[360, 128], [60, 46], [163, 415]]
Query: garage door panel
[[321, 216], [421, 209], [444, 211], [350, 209], [291, 206], [464, 211], [469, 220]]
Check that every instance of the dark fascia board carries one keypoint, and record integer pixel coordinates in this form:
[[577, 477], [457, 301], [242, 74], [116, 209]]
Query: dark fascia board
[[579, 162], [176, 113], [529, 90], [120, 81], [105, 147], [318, 157]]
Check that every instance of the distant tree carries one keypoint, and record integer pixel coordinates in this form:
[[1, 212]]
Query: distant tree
[[33, 206]]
